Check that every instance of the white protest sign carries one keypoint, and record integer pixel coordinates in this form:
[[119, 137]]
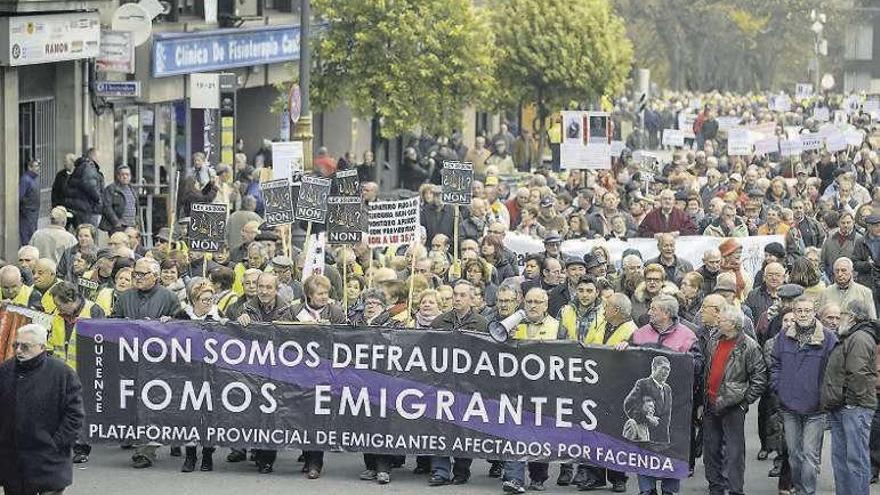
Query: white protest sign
[[617, 148], [791, 147], [204, 90], [392, 223], [802, 91], [780, 103], [314, 262], [287, 160], [686, 124], [586, 140], [738, 143], [765, 129], [872, 106], [689, 248], [767, 145], [839, 117], [673, 137], [835, 142], [728, 123], [822, 114], [811, 142], [854, 137], [851, 104]]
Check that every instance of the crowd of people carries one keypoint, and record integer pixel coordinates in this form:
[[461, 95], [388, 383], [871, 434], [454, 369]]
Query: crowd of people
[[797, 339]]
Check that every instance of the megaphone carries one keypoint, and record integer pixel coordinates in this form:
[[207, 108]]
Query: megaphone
[[500, 330]]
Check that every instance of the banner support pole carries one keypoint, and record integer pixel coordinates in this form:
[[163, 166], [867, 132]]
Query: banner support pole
[[344, 281], [455, 267], [306, 246]]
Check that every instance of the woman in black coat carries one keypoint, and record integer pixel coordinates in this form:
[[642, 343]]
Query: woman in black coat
[[190, 193], [41, 414]]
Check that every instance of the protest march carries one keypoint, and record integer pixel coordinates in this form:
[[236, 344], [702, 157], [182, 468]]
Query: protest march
[[490, 257]]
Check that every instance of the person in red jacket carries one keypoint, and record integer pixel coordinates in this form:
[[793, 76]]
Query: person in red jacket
[[667, 218]]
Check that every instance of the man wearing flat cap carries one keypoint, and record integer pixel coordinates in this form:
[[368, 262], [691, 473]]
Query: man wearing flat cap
[[552, 242], [866, 257]]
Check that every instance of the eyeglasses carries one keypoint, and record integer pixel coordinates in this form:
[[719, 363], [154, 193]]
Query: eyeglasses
[[535, 302], [25, 346], [140, 274]]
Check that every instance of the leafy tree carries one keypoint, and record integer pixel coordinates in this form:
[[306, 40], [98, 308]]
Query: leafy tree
[[729, 45], [553, 52], [405, 63]]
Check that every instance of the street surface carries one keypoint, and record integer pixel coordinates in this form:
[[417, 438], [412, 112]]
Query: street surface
[[108, 472]]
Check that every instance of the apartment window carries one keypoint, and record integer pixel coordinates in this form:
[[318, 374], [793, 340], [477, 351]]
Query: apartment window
[[859, 42]]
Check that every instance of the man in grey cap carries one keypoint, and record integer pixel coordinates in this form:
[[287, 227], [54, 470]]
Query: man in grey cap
[[552, 242], [866, 257], [288, 288]]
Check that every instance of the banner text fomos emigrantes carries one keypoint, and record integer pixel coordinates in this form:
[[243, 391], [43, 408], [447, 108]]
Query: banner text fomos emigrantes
[[385, 391]]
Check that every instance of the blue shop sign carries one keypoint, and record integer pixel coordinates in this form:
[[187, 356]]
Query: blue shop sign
[[204, 51]]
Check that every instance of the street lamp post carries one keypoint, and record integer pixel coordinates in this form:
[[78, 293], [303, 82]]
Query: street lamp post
[[820, 45], [303, 130]]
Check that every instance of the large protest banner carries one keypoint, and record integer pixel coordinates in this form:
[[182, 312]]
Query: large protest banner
[[385, 391], [690, 248]]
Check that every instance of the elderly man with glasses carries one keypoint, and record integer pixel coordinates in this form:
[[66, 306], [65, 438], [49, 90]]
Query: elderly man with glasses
[[149, 300], [537, 325], [41, 413]]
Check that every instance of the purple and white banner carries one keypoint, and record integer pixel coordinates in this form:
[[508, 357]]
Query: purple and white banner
[[385, 391]]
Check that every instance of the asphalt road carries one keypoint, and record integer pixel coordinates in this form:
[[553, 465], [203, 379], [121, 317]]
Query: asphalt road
[[108, 472]]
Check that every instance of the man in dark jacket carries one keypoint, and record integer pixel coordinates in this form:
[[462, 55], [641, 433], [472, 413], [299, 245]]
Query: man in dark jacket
[[120, 203], [41, 413], [849, 396], [735, 376], [84, 192], [29, 202], [147, 299], [461, 317], [415, 171], [59, 185], [866, 257], [676, 268], [797, 368], [437, 218]]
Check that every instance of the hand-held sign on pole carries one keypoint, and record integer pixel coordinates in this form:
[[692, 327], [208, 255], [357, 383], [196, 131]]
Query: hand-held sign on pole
[[207, 227], [457, 180]]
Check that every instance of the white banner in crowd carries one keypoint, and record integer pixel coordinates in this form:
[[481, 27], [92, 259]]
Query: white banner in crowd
[[690, 248], [673, 137], [738, 142]]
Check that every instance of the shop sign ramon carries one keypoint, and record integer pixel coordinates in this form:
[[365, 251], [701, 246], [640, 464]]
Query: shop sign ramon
[[40, 39]]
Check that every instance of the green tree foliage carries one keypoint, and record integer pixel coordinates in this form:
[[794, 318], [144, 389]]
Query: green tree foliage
[[729, 45], [552, 52], [405, 63]]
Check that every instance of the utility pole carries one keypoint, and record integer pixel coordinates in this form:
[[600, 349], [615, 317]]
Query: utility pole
[[303, 130]]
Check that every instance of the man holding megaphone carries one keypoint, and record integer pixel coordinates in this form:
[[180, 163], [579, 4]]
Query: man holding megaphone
[[530, 323]]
